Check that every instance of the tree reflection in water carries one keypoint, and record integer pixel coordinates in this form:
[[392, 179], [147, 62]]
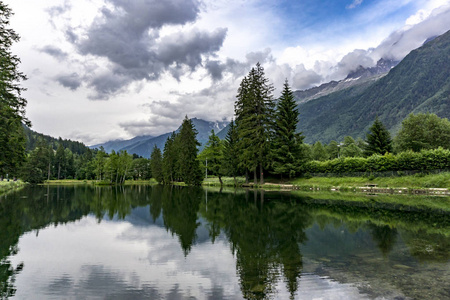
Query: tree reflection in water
[[265, 230]]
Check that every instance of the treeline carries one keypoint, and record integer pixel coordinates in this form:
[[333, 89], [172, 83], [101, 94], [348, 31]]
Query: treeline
[[46, 163]]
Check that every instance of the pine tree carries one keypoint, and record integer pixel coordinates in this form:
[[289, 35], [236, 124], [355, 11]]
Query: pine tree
[[12, 104], [286, 152], [214, 154], [35, 169], [254, 109], [156, 164], [231, 153], [60, 161], [190, 171], [378, 139], [169, 159]]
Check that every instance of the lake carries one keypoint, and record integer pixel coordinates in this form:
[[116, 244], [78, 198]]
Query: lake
[[153, 242]]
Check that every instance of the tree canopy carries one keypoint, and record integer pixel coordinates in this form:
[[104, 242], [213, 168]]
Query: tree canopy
[[12, 104], [423, 131]]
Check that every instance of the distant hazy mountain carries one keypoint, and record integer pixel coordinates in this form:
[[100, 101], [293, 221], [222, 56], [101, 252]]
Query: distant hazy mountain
[[120, 144], [143, 145], [419, 83]]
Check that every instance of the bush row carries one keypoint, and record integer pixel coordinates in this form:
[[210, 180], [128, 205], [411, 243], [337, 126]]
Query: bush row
[[409, 160]]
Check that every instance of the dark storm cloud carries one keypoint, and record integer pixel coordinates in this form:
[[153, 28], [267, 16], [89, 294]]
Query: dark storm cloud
[[71, 81], [54, 51], [237, 68], [187, 48], [215, 69], [128, 36], [107, 84]]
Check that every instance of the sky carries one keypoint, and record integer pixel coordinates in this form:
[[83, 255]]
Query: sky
[[101, 70]]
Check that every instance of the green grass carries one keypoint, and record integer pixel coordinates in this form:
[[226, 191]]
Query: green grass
[[6, 186], [227, 181], [417, 181], [96, 182]]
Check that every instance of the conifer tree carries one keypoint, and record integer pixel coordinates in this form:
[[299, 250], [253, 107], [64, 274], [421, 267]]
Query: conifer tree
[[286, 152], [169, 159], [214, 154], [231, 154], [35, 169], [190, 171], [12, 104], [378, 139], [254, 109], [156, 164]]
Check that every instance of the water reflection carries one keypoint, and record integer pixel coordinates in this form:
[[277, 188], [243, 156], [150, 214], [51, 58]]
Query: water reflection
[[282, 244]]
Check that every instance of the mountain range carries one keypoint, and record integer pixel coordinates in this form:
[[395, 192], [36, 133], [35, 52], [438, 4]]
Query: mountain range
[[143, 145], [390, 90], [419, 83]]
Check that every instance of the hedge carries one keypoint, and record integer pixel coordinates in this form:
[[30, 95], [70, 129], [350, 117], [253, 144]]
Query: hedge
[[404, 161]]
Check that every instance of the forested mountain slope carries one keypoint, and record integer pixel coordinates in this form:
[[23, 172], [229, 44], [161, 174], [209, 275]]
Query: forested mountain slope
[[419, 83]]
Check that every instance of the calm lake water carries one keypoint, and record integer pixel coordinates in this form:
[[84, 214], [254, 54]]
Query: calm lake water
[[142, 242]]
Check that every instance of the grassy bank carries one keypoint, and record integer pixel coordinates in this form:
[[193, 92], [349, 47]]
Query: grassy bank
[[6, 186], [97, 182], [418, 181]]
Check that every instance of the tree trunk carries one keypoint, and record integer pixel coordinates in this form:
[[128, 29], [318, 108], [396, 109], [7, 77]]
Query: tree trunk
[[220, 179], [59, 169], [235, 181], [255, 177], [246, 176], [48, 175], [261, 179]]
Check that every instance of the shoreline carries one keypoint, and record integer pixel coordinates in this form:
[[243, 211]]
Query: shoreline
[[357, 189]]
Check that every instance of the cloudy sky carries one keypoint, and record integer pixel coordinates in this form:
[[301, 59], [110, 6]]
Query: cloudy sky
[[112, 69]]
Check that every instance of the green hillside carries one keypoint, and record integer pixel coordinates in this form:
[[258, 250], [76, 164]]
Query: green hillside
[[33, 136], [419, 83]]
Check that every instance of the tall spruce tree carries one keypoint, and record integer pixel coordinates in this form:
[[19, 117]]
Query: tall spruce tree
[[231, 154], [378, 139], [190, 171], [254, 109], [286, 151], [12, 104], [169, 159], [156, 164], [214, 154]]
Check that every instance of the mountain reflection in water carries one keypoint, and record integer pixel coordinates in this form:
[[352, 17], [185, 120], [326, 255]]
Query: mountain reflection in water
[[157, 242]]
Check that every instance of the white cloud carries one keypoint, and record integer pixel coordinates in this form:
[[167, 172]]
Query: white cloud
[[354, 4]]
